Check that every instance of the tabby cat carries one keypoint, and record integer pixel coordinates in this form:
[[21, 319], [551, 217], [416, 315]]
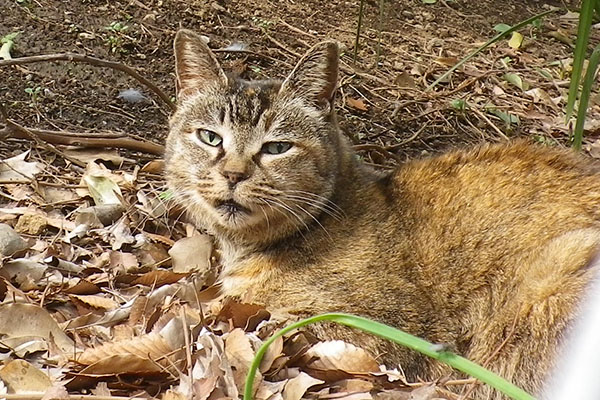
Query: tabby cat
[[487, 250]]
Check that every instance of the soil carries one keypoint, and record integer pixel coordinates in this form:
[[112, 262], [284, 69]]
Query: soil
[[416, 43]]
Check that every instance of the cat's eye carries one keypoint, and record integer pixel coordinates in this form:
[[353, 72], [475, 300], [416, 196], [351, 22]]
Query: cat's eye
[[276, 147], [209, 137]]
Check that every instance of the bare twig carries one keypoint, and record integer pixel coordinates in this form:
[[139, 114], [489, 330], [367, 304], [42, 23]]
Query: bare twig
[[14, 130], [93, 61]]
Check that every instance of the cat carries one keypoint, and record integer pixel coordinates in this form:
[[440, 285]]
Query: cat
[[487, 250]]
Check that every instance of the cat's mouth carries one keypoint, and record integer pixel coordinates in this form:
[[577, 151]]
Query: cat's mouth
[[231, 208]]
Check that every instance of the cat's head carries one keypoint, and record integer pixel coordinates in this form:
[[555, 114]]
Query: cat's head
[[253, 159]]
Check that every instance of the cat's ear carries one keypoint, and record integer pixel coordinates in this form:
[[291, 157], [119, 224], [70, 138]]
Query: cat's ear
[[196, 66], [315, 76]]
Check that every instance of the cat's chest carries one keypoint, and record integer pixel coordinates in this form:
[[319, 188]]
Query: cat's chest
[[244, 274]]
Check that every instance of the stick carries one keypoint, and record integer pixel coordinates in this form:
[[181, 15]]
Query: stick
[[93, 61]]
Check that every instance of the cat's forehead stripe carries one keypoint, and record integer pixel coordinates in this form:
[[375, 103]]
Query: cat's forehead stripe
[[249, 101]]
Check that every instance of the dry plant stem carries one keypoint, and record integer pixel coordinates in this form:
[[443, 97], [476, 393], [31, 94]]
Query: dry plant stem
[[93, 61], [14, 130]]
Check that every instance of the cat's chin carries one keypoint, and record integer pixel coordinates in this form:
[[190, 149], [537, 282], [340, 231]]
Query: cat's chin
[[233, 214]]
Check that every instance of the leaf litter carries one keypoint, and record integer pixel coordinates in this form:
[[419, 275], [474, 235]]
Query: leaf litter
[[116, 294]]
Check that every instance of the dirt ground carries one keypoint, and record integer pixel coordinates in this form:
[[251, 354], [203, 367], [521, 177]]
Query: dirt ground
[[417, 43], [383, 106]]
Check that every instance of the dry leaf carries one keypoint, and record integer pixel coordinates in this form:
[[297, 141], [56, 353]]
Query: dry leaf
[[150, 353], [27, 321], [192, 254], [154, 167], [240, 355], [241, 315], [17, 169], [88, 155], [273, 351], [98, 302], [22, 377], [341, 356], [158, 278], [359, 104], [296, 387], [10, 241]]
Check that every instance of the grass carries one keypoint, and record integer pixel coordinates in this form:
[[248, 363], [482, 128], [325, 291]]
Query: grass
[[397, 336], [586, 15], [493, 40]]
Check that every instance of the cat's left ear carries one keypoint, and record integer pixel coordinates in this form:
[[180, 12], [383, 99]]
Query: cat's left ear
[[196, 66], [315, 76]]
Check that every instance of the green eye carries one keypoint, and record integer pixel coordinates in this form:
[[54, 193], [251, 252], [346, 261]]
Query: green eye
[[276, 147], [209, 137]]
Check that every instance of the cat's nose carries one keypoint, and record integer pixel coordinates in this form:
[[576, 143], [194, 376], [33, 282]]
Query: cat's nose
[[234, 177]]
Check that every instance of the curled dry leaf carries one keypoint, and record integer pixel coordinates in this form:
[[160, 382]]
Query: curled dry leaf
[[296, 387], [158, 278], [240, 355], [337, 355], [358, 104], [98, 302], [22, 377], [211, 362], [192, 254]]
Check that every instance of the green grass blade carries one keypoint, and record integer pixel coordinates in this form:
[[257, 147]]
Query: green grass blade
[[584, 99], [487, 44], [358, 26], [583, 35], [400, 337]]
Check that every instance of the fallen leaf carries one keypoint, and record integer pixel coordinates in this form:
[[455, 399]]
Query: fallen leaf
[[296, 387], [359, 104], [515, 40], [10, 241], [158, 278], [241, 315], [28, 320], [22, 377], [516, 80], [93, 301], [17, 169], [192, 254], [337, 355], [87, 155]]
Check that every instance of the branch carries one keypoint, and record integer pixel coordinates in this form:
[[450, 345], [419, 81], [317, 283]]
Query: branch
[[14, 130], [93, 61]]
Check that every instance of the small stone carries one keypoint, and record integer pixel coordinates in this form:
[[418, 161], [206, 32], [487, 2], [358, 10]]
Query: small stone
[[10, 241], [31, 224]]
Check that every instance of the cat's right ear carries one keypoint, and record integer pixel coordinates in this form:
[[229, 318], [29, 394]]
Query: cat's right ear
[[196, 66], [315, 75]]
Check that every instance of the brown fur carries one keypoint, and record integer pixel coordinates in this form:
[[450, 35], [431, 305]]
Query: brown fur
[[472, 248]]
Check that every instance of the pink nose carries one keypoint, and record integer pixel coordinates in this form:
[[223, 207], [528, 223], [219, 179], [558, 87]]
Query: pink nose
[[234, 177]]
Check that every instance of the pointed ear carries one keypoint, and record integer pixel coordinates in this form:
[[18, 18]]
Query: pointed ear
[[315, 76], [196, 66]]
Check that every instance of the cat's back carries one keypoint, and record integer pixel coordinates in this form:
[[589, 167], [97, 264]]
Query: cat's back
[[494, 202], [500, 177]]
